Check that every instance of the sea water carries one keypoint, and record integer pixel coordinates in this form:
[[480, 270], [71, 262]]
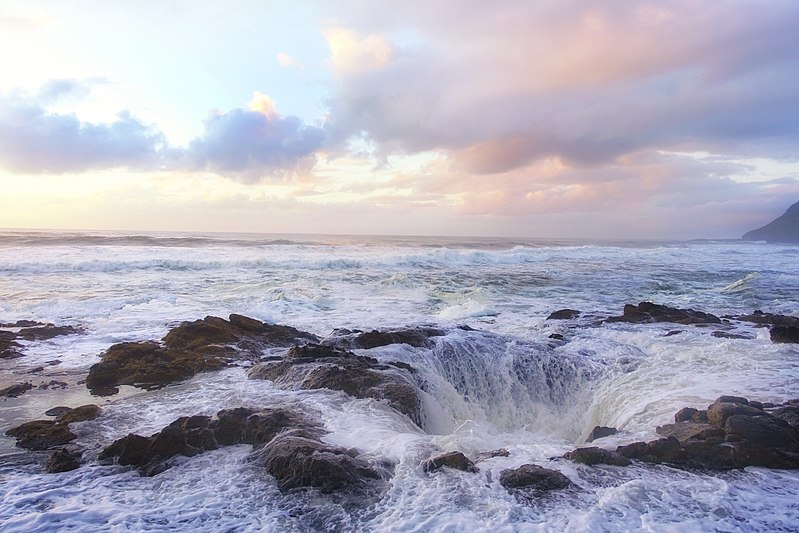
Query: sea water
[[500, 383]]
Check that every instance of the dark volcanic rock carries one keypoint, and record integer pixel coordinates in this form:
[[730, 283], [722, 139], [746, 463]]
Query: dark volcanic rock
[[733, 433], [785, 334], [192, 435], [285, 442], [315, 366], [58, 411], [79, 414], [564, 314], [8, 346], [64, 460], [188, 349], [647, 312], [769, 319], [418, 337], [600, 431], [47, 331], [41, 434], [297, 461], [782, 229], [15, 390], [455, 460], [595, 456], [534, 477], [728, 335]]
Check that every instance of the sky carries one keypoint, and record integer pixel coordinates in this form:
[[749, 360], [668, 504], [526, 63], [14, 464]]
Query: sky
[[519, 118]]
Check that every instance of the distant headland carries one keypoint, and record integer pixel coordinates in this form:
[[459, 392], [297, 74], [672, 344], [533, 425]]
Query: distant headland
[[782, 229]]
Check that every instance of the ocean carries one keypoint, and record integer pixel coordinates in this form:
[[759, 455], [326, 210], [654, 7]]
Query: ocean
[[496, 379]]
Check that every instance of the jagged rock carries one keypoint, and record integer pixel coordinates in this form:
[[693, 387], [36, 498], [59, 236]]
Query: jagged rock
[[47, 331], [721, 409], [22, 324], [418, 337], [41, 434], [8, 346], [455, 460], [769, 319], [600, 431], [735, 433], [58, 411], [501, 452], [648, 312], [564, 314], [53, 384], [315, 366], [15, 390], [785, 334], [64, 460], [296, 460], [789, 413], [192, 435], [727, 335], [535, 477], [79, 414], [188, 349], [595, 456]]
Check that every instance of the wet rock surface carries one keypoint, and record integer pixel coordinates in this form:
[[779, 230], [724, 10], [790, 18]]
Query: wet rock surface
[[65, 459], [595, 456], [188, 349], [785, 334], [418, 337], [315, 366], [564, 314], [286, 443], [599, 432], [28, 330], [731, 433], [533, 477], [46, 434], [15, 390], [455, 460], [648, 312]]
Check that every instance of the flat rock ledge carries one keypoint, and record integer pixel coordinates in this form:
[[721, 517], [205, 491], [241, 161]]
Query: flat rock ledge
[[314, 366], [188, 349], [648, 312], [731, 433], [286, 443]]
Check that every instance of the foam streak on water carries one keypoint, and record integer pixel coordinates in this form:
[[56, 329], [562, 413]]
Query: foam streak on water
[[505, 385]]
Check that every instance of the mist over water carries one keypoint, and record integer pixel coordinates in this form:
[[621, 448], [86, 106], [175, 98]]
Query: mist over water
[[501, 382]]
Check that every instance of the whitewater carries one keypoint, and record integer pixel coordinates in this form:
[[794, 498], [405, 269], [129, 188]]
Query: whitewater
[[496, 379]]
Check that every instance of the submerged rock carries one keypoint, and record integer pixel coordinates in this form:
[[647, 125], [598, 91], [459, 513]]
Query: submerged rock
[[315, 366], [188, 349], [47, 331], [8, 346], [533, 477], [455, 460], [648, 312], [15, 390]]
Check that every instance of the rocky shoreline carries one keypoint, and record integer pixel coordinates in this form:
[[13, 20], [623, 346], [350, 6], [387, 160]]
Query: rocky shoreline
[[732, 433]]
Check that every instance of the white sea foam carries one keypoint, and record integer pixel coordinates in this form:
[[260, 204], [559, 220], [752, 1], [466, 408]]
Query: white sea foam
[[508, 385]]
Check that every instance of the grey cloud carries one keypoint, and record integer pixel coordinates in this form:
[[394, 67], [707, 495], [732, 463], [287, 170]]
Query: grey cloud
[[34, 140], [241, 144], [249, 145], [715, 77]]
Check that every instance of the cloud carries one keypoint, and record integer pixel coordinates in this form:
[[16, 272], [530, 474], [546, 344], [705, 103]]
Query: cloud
[[503, 85], [242, 144], [286, 60], [36, 140], [256, 143]]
